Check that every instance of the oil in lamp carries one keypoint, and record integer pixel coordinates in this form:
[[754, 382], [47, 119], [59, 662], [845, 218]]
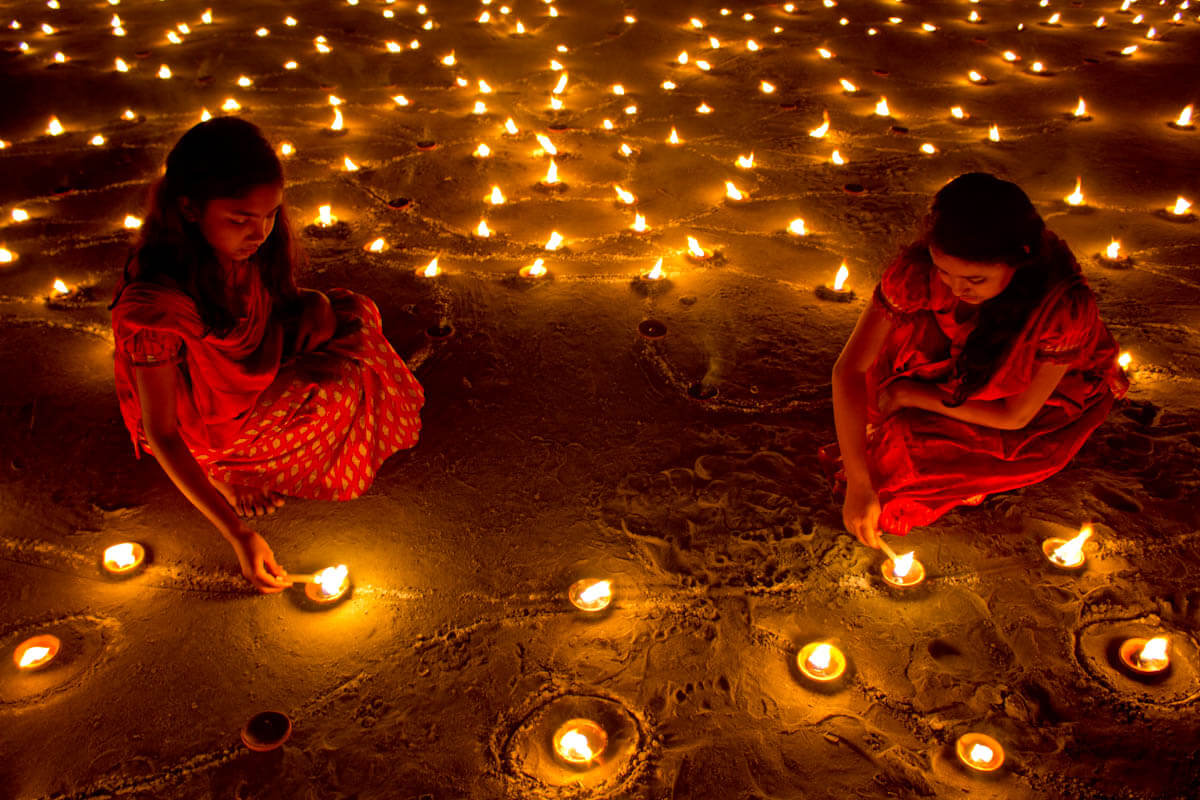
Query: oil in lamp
[[430, 270], [821, 661], [1184, 122], [326, 586], [837, 291], [822, 129], [734, 194], [1145, 656], [590, 594], [123, 558], [901, 571], [36, 651], [1075, 198], [979, 752], [579, 742], [1067, 553], [535, 270], [797, 227], [1111, 257]]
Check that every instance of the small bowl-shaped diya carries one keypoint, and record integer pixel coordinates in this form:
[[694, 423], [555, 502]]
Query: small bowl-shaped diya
[[124, 558], [1067, 553], [903, 571], [329, 585], [36, 651], [652, 329], [838, 291], [821, 661], [979, 752], [1145, 656], [590, 594], [534, 271], [266, 731], [579, 742]]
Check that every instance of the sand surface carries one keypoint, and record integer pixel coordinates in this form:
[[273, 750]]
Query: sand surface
[[559, 443]]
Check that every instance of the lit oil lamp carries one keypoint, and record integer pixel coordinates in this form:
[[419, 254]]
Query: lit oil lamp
[[881, 108], [1184, 121], [655, 274], [579, 742], [979, 752], [734, 194], [624, 197], [123, 558], [54, 128], [19, 215], [376, 246], [1081, 113], [847, 86], [1124, 359], [266, 731], [958, 113], [994, 133], [590, 594], [325, 217], [928, 149], [745, 162], [822, 129], [639, 225], [1181, 211], [535, 270], [837, 158], [496, 197], [901, 571], [59, 290], [551, 179], [554, 242], [1075, 198], [36, 652], [978, 78], [1067, 553], [1146, 656], [1112, 258], [482, 151], [430, 270], [838, 291], [7, 256], [482, 230], [797, 227], [327, 586], [821, 661]]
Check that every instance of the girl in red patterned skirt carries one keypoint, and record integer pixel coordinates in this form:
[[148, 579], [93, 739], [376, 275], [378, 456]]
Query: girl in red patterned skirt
[[245, 387], [980, 365]]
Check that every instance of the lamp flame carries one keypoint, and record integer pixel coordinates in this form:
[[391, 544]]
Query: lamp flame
[[132, 222], [821, 658], [60, 287], [561, 85], [325, 216], [537, 269], [981, 753], [377, 245], [574, 746], [496, 198], [547, 145], [597, 592], [1071, 551], [797, 228], [849, 87], [555, 241], [1154, 652], [431, 269], [55, 127], [624, 196], [1185, 117], [120, 556], [32, 656], [901, 565], [957, 112], [694, 248], [483, 151], [881, 108], [1081, 109], [338, 123], [1181, 206], [746, 162], [656, 273], [837, 158], [673, 138], [349, 165], [1125, 359], [510, 127], [551, 174], [1113, 250], [331, 579], [822, 129], [732, 192], [639, 225], [483, 231], [994, 133], [1075, 198]]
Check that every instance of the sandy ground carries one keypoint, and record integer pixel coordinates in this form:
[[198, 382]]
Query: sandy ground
[[559, 443]]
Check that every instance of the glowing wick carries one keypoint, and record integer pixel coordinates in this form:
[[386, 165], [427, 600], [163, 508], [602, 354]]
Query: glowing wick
[[881, 108], [822, 129], [797, 228], [431, 269], [1075, 198], [1113, 251], [994, 133], [1081, 109], [624, 196], [1125, 359], [1181, 206], [555, 241], [1185, 117], [535, 270], [732, 192], [694, 248], [60, 288], [551, 174], [746, 162], [656, 273], [639, 225], [496, 198], [1153, 655]]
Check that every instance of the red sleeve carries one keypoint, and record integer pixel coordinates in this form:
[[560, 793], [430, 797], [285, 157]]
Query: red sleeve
[[904, 287], [1070, 327], [149, 348]]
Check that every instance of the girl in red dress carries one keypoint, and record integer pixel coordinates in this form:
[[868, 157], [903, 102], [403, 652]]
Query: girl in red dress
[[245, 387], [980, 365]]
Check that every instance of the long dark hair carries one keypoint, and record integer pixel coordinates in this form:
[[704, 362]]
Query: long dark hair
[[223, 157], [978, 217]]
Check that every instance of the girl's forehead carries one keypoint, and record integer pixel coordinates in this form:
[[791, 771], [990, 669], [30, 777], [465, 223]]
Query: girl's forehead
[[954, 264], [260, 200]]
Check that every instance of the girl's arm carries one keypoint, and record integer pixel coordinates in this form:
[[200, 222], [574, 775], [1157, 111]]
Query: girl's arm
[[1010, 414], [861, 510], [156, 391]]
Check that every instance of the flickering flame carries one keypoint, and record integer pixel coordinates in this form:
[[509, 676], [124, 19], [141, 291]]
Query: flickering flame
[[746, 162], [624, 196], [820, 658], [837, 158], [976, 77], [55, 127], [562, 84], [1071, 551], [480, 107], [331, 579], [1010, 56], [121, 65], [449, 60], [981, 754], [957, 112], [973, 16], [673, 138], [132, 222], [1100, 22], [625, 150], [732, 192], [60, 287], [510, 127], [1037, 66], [1113, 250], [596, 593], [824, 53], [639, 225], [766, 87], [994, 133], [431, 269], [483, 151], [32, 656], [482, 230], [574, 746], [400, 100], [338, 123], [822, 129], [19, 215], [694, 248], [1075, 198], [496, 198], [847, 85], [377, 246], [928, 149], [551, 174], [881, 108], [1153, 653], [535, 270], [839, 280], [547, 145], [797, 228], [1125, 359], [901, 565], [1054, 18], [1181, 206], [555, 241], [7, 256], [96, 140], [325, 216], [1128, 51], [667, 85], [1081, 109], [120, 556], [682, 58], [656, 273], [704, 108], [1185, 117]]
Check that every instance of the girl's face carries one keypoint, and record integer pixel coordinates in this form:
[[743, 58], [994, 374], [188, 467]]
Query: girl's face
[[971, 281], [236, 227]]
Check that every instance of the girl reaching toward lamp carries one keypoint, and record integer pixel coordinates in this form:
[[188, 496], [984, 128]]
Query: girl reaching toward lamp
[[979, 366]]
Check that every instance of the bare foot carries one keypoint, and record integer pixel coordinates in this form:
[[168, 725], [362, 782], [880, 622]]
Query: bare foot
[[248, 501]]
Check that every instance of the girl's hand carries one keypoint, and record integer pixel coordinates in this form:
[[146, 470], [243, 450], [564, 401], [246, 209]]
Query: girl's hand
[[860, 513], [317, 321], [904, 393], [257, 561]]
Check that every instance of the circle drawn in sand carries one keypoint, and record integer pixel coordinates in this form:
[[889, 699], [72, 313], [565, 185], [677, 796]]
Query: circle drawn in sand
[[531, 763], [1096, 649], [83, 641]]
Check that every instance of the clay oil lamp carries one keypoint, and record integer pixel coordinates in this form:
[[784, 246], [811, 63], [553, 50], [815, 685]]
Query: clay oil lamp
[[123, 559], [653, 282], [1112, 258], [591, 594], [838, 291], [551, 182], [326, 225], [1180, 212], [1075, 198], [1145, 657], [266, 731], [325, 587], [821, 661], [1080, 114], [979, 752], [903, 571], [36, 652], [579, 742], [534, 271], [1184, 121], [639, 224], [697, 254], [1067, 553]]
